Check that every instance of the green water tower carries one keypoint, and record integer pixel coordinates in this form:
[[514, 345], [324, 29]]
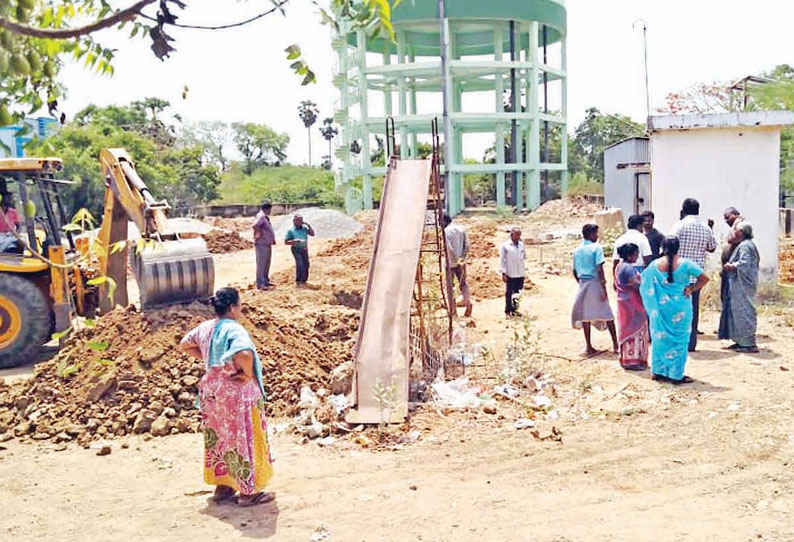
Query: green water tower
[[505, 77]]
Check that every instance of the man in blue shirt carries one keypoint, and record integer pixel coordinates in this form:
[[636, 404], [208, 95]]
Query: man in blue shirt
[[297, 238], [592, 303]]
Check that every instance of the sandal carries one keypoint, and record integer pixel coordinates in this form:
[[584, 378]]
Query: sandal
[[734, 346], [685, 380], [223, 494], [747, 350], [257, 498], [659, 378]]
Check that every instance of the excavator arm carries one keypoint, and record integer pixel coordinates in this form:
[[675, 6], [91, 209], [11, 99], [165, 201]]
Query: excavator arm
[[168, 269]]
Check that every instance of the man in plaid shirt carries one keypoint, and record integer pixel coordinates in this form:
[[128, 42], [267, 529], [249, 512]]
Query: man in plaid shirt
[[696, 239]]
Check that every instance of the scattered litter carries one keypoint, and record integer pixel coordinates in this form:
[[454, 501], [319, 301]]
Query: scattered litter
[[541, 401], [308, 398], [733, 407], [507, 390], [458, 393], [524, 423], [321, 534], [339, 403], [327, 441]]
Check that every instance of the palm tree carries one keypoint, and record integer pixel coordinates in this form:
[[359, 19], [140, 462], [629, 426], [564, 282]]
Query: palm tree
[[329, 131], [307, 111]]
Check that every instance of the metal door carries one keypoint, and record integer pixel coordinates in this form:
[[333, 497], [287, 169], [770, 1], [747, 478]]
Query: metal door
[[642, 192]]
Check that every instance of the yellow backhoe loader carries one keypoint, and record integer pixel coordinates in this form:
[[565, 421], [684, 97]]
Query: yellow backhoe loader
[[49, 274]]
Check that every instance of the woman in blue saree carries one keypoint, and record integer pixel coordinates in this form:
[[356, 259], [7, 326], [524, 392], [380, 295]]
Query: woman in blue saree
[[666, 289]]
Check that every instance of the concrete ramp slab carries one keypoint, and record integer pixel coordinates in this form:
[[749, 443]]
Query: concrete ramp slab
[[382, 353]]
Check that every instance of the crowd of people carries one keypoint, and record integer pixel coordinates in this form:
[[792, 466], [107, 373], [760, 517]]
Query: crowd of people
[[658, 281]]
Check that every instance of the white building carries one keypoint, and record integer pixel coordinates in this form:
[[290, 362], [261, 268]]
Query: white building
[[722, 160]]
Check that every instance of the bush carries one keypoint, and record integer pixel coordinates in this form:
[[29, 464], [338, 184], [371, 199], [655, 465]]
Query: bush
[[283, 184], [580, 185]]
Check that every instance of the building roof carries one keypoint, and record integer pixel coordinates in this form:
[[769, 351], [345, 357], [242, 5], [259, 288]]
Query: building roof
[[721, 120], [622, 141]]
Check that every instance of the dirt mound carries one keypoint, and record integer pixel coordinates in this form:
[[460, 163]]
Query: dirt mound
[[566, 208], [787, 261], [481, 243], [485, 281], [127, 375], [224, 241]]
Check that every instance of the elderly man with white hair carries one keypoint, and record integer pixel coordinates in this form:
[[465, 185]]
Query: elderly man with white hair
[[739, 319], [298, 239], [511, 263]]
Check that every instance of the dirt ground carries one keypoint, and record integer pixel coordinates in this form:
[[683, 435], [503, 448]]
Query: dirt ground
[[637, 461]]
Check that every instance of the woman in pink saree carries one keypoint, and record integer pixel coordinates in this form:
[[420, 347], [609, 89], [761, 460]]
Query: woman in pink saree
[[633, 332], [232, 401]]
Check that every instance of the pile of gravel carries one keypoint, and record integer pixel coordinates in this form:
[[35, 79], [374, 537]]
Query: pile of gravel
[[327, 223]]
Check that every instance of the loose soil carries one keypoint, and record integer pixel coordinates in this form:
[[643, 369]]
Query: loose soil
[[224, 242], [631, 459]]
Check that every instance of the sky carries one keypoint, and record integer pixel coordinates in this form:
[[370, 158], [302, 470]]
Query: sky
[[242, 74]]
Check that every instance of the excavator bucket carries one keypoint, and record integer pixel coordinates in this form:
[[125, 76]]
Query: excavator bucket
[[174, 272]]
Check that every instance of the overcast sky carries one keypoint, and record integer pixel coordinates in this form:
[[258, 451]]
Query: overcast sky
[[242, 74]]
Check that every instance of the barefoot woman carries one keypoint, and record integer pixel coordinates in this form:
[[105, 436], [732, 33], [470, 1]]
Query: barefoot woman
[[667, 295], [232, 402]]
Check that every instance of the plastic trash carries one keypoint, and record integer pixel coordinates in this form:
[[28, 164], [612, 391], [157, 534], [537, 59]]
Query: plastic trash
[[541, 401], [308, 398], [339, 403], [457, 393], [524, 423]]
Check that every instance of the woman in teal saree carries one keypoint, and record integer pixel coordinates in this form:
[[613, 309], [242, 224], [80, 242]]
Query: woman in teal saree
[[666, 289]]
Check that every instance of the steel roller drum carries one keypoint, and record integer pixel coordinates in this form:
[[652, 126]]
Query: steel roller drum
[[174, 272]]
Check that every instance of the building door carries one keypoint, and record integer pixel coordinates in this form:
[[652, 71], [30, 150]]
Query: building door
[[642, 192]]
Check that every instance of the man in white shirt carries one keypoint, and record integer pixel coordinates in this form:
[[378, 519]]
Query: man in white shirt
[[696, 239], [511, 263], [635, 235], [457, 250]]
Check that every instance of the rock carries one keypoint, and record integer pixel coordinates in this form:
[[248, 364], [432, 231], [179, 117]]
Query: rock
[[143, 421], [160, 427], [40, 436], [185, 398], [23, 428], [413, 487], [104, 450], [169, 412], [149, 356], [342, 378], [75, 430], [6, 421], [125, 445], [92, 424], [489, 409], [101, 388], [63, 437], [190, 381], [183, 425], [59, 447], [157, 407]]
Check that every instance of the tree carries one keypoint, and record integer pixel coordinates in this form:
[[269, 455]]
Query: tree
[[307, 111], [329, 132], [36, 36], [177, 174], [778, 94], [213, 137], [597, 132], [260, 145], [716, 97]]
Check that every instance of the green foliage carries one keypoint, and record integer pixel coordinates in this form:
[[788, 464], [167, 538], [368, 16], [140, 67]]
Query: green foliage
[[260, 145], [580, 185], [30, 66], [779, 95], [287, 184], [597, 132], [177, 172]]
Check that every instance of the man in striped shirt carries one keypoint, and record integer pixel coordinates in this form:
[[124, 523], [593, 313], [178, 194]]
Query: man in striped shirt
[[696, 239]]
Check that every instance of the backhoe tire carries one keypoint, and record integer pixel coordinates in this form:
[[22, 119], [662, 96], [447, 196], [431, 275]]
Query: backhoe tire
[[24, 320]]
